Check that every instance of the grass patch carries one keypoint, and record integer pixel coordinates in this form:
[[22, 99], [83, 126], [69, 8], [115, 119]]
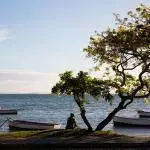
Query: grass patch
[[57, 133], [70, 132], [61, 134], [104, 133], [50, 133], [18, 134]]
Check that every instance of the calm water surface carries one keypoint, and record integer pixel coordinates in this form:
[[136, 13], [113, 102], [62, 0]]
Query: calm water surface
[[47, 108]]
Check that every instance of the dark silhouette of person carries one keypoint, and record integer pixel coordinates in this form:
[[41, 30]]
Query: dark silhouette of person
[[71, 123]]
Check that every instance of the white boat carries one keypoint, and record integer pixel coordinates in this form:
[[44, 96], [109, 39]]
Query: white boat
[[28, 125], [142, 113], [124, 121], [8, 111]]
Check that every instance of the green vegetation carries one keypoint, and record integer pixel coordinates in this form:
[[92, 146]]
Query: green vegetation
[[123, 51], [55, 133], [67, 136], [17, 135], [79, 86]]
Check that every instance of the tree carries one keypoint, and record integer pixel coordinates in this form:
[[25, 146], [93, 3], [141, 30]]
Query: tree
[[79, 86], [124, 50]]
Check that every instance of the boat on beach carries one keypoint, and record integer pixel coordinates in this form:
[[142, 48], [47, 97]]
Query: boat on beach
[[143, 113], [124, 121], [8, 111], [29, 125]]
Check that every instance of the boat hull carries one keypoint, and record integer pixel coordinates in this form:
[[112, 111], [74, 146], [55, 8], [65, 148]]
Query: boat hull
[[9, 111], [132, 122], [143, 114], [27, 125]]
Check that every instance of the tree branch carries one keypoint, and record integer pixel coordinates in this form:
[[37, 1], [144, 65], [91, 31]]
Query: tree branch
[[141, 80], [128, 103]]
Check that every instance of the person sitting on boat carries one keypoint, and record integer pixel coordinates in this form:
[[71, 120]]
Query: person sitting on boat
[[71, 123]]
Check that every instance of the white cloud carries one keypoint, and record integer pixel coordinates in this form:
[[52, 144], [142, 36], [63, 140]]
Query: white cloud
[[21, 81], [3, 34]]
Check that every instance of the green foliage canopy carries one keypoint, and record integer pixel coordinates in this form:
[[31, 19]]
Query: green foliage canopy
[[80, 85], [126, 51]]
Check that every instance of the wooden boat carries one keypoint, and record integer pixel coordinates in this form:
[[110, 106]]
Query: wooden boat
[[8, 111], [144, 114], [28, 125], [124, 121]]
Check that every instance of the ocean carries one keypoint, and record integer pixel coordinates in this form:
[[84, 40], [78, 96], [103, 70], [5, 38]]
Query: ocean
[[56, 109]]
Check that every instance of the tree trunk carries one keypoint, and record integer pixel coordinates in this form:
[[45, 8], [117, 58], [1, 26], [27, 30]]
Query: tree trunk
[[85, 120], [82, 110], [110, 116]]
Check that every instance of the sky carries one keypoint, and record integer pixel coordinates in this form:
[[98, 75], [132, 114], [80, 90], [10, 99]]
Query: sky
[[41, 38]]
